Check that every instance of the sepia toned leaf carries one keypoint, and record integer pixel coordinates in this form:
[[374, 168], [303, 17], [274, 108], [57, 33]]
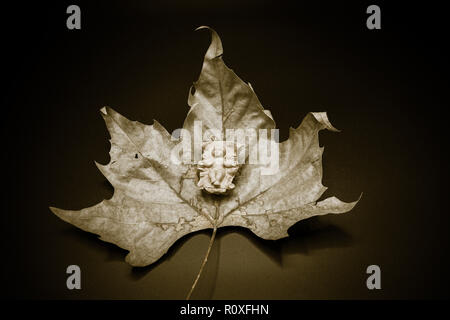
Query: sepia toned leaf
[[156, 201]]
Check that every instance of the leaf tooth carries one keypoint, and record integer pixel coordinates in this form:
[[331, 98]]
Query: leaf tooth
[[291, 131], [102, 168], [62, 214], [160, 128], [268, 113], [322, 118]]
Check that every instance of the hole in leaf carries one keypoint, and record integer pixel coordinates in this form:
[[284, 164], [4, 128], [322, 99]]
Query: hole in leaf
[[136, 156]]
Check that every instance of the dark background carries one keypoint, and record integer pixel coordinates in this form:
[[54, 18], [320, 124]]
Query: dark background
[[386, 89]]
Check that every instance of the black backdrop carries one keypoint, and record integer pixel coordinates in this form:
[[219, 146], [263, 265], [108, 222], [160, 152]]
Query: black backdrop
[[386, 89]]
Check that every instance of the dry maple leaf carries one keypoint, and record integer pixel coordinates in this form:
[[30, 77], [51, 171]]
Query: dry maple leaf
[[157, 201]]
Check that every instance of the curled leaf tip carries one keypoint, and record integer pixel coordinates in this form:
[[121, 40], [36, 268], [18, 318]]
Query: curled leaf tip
[[215, 48], [202, 27], [323, 119]]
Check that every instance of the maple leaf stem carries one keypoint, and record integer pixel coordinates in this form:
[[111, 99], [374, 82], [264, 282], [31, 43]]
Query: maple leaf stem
[[213, 236]]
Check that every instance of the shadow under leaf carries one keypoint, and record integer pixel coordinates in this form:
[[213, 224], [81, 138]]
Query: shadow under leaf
[[305, 237], [313, 234], [138, 272]]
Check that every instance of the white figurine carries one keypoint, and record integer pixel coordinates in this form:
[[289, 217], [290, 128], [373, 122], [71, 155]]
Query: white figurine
[[218, 167]]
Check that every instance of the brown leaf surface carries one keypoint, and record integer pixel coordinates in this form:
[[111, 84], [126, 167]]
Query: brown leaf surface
[[156, 202]]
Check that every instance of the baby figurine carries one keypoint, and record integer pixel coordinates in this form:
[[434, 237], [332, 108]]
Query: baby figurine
[[218, 167]]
